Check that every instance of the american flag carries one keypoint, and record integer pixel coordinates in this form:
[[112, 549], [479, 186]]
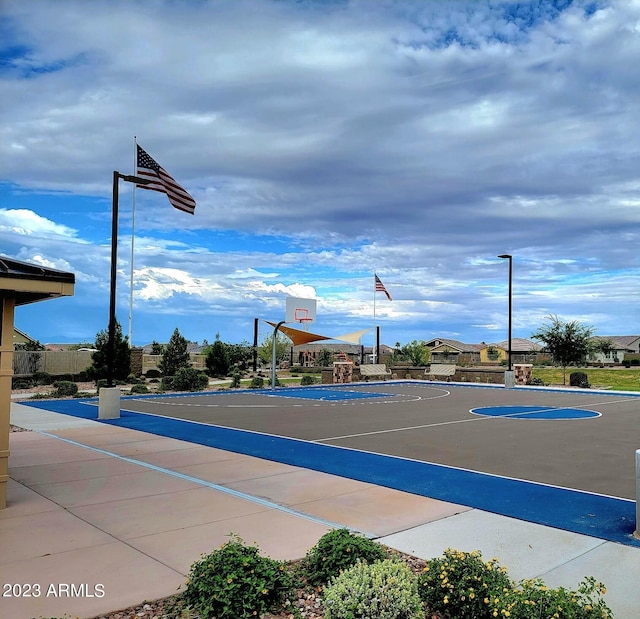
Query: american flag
[[380, 287], [163, 182]]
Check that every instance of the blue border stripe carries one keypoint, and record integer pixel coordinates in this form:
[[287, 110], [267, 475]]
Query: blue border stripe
[[604, 517]]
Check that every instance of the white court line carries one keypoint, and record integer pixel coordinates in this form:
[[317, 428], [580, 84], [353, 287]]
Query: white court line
[[478, 417]]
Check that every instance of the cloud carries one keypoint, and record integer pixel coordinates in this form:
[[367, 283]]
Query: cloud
[[323, 141], [27, 223]]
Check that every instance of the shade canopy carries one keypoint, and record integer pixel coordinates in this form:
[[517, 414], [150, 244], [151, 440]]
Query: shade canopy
[[28, 283], [299, 337]]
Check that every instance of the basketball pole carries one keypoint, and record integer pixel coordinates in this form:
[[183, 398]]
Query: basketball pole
[[636, 533], [273, 354], [255, 344]]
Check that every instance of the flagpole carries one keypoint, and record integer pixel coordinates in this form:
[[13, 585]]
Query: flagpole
[[133, 223]]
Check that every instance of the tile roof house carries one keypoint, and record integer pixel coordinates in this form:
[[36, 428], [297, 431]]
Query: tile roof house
[[445, 350], [622, 345]]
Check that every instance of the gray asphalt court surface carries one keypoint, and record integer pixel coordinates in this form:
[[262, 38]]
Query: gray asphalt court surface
[[515, 433]]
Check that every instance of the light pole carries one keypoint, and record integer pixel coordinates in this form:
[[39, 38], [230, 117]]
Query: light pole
[[109, 397], [509, 257], [114, 260]]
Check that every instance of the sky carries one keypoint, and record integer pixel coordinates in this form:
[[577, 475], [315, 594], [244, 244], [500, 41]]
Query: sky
[[324, 141]]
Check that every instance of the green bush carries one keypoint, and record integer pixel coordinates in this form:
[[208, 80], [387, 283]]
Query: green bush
[[579, 379], [21, 383], [65, 388], [336, 551], [461, 584], [42, 378], [235, 379], [533, 599], [235, 582], [386, 589], [139, 388], [166, 384], [65, 377], [536, 381], [307, 380], [257, 382], [189, 379]]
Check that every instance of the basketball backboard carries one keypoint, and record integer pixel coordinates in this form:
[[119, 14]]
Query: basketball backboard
[[302, 311]]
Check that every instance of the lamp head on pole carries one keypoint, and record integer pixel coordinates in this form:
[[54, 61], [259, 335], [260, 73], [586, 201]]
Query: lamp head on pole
[[134, 179], [509, 256]]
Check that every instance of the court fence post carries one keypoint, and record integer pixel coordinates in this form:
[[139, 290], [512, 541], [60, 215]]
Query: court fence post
[[636, 533]]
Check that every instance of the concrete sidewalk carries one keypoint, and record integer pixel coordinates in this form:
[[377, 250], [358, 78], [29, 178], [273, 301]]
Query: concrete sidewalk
[[121, 515]]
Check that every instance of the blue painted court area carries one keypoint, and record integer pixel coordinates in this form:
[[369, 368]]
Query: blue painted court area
[[596, 515], [534, 412], [320, 393]]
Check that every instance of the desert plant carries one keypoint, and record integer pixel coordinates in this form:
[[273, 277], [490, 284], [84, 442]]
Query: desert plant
[[65, 388], [188, 379], [139, 388], [42, 378], [536, 381], [21, 383], [579, 379], [385, 589], [462, 584], [336, 551], [236, 582], [307, 380], [257, 382], [235, 379], [532, 599]]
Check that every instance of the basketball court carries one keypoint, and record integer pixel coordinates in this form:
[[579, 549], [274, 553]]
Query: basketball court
[[563, 458]]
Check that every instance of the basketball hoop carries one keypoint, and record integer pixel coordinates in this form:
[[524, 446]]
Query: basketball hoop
[[301, 315], [302, 311]]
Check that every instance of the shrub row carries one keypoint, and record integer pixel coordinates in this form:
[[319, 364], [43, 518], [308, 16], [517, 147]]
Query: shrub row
[[359, 579]]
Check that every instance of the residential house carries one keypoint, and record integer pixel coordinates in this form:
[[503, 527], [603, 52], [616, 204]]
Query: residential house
[[522, 351], [21, 339], [622, 345], [445, 350]]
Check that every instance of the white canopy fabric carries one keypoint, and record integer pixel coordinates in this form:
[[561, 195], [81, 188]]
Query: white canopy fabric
[[298, 336]]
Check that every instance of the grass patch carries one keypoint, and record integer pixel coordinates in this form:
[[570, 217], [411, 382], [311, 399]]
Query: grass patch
[[245, 383], [620, 378]]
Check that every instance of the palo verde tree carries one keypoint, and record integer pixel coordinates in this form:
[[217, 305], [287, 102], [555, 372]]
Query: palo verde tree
[[240, 355], [175, 355], [566, 342], [416, 352], [265, 350], [122, 355]]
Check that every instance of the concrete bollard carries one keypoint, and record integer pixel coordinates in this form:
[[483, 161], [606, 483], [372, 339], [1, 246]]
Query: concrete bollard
[[636, 533], [109, 403], [509, 379]]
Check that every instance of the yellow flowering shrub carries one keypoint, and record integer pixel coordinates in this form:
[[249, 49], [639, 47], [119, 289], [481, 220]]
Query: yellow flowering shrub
[[462, 585]]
